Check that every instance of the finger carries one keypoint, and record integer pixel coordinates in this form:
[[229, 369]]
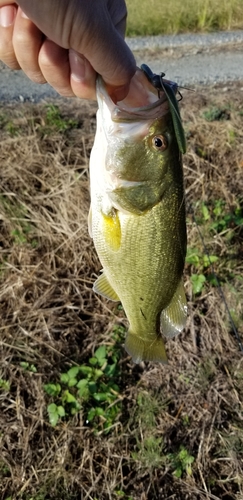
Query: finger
[[54, 64], [68, 72], [27, 41], [103, 45], [115, 64], [5, 3], [82, 77], [118, 14], [7, 19], [78, 26]]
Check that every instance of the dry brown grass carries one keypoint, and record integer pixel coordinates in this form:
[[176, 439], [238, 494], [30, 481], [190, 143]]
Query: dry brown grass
[[51, 318]]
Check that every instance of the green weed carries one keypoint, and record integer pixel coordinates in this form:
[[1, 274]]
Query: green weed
[[118, 335], [28, 366], [4, 469], [150, 452], [186, 420], [54, 119], [232, 135], [8, 125], [2, 119], [224, 219], [149, 447], [12, 129], [17, 214], [122, 494], [4, 385], [148, 408], [216, 114], [181, 462], [214, 218], [91, 387], [200, 263]]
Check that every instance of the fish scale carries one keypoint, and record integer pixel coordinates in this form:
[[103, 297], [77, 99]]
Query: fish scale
[[138, 225]]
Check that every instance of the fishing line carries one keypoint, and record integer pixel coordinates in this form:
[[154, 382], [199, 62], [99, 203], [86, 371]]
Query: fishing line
[[217, 280]]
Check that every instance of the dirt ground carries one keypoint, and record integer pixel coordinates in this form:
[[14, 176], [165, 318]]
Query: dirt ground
[[109, 429]]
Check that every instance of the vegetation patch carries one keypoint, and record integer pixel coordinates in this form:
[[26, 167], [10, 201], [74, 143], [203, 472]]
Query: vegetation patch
[[91, 387], [77, 418], [177, 17]]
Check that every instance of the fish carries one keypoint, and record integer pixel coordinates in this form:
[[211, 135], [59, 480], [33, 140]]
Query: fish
[[137, 214]]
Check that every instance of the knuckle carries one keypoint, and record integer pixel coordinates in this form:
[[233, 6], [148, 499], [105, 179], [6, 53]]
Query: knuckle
[[36, 77], [21, 40], [83, 91], [9, 58], [65, 92]]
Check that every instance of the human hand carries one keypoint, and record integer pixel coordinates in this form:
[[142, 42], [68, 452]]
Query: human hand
[[66, 42]]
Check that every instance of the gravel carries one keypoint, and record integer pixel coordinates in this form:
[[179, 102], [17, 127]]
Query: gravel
[[188, 59], [203, 40]]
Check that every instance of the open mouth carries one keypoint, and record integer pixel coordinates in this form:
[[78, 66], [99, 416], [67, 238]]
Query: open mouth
[[141, 103]]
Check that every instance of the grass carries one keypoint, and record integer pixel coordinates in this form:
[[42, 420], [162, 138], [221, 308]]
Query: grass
[[77, 418], [91, 387], [162, 17]]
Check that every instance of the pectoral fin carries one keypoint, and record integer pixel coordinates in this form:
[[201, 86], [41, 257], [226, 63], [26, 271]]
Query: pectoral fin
[[103, 287], [173, 318]]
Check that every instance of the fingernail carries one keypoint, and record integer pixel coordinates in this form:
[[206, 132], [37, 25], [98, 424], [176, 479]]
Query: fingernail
[[77, 65], [23, 14], [117, 93], [7, 15]]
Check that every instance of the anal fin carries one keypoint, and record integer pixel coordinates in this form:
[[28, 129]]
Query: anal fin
[[173, 318], [103, 287]]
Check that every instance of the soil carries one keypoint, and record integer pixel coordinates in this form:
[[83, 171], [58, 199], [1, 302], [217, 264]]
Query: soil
[[176, 432]]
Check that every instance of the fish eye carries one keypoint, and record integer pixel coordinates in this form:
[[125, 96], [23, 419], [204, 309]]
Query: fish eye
[[159, 143]]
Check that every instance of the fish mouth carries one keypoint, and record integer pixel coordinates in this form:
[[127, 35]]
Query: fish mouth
[[125, 111]]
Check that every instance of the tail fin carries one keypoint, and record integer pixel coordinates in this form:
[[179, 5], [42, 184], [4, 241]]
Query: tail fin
[[145, 350]]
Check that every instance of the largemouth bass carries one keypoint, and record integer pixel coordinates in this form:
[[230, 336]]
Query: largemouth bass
[[137, 215]]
